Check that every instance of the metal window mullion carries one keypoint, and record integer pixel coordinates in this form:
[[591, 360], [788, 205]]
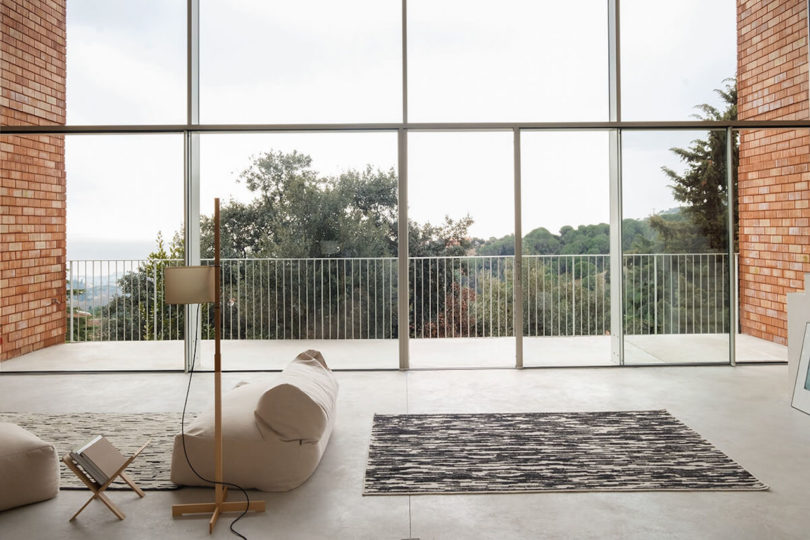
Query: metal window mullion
[[615, 142], [730, 195], [402, 230], [517, 274], [191, 172], [616, 255]]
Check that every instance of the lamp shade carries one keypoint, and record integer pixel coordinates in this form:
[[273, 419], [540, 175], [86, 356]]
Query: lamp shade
[[190, 284]]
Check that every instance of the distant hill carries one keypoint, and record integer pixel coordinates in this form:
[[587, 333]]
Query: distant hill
[[638, 236]]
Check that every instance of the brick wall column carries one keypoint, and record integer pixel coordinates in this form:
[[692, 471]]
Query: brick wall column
[[32, 177], [774, 164]]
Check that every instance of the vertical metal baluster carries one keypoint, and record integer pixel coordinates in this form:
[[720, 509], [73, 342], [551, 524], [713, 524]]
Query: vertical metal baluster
[[714, 295], [275, 302], [468, 291], [329, 296], [376, 288], [351, 274], [557, 288], [444, 294], [284, 300], [337, 298], [234, 304], [154, 297], [321, 305], [491, 297], [476, 311], [139, 327], [678, 265], [261, 297], [573, 298], [538, 299], [251, 297], [368, 299], [701, 292], [118, 310], [670, 329], [452, 294], [436, 261], [70, 300], [359, 308], [382, 297], [527, 295], [105, 285], [422, 297], [498, 291], [345, 303], [691, 310], [305, 333], [430, 292], [534, 262]]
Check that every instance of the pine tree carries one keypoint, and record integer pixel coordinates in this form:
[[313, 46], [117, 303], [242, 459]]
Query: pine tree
[[703, 185]]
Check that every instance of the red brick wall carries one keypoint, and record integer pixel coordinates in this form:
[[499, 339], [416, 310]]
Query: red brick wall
[[774, 166], [32, 177]]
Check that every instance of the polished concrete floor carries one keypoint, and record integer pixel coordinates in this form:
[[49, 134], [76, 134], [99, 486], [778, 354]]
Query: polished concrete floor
[[576, 351], [744, 411]]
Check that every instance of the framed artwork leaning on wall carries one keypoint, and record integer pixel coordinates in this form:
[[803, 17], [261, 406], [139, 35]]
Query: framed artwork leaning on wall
[[801, 390]]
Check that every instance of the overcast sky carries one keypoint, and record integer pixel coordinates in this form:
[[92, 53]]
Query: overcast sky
[[326, 61]]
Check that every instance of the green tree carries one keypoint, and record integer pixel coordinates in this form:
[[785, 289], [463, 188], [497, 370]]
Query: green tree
[[81, 330], [298, 213], [139, 311], [541, 242], [702, 186]]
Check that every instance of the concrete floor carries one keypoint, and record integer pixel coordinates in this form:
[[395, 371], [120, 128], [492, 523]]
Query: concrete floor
[[383, 354], [745, 411]]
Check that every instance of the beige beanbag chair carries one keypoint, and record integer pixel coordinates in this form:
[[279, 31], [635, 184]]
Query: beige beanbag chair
[[29, 467], [273, 436]]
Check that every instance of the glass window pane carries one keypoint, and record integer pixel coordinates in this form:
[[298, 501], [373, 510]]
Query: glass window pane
[[513, 60], [461, 244], [674, 248], [668, 65], [566, 248], [312, 61], [124, 226], [126, 62], [309, 246]]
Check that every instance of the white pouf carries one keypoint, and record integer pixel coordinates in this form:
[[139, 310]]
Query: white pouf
[[29, 467]]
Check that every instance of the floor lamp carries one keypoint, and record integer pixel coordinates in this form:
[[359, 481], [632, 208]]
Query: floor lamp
[[200, 285]]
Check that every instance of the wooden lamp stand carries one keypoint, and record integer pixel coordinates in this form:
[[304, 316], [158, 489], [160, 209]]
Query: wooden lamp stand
[[219, 505]]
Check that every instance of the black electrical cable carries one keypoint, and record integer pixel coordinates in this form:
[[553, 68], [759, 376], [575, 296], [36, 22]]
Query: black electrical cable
[[183, 438]]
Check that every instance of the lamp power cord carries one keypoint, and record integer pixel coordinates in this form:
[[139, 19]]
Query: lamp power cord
[[183, 438]]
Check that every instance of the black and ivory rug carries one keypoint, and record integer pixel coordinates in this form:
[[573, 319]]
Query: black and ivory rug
[[412, 454], [151, 470]]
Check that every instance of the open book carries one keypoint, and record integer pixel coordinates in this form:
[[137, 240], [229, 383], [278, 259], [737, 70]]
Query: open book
[[99, 459]]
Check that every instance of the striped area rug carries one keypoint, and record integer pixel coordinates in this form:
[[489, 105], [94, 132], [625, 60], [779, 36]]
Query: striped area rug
[[412, 454], [151, 470]]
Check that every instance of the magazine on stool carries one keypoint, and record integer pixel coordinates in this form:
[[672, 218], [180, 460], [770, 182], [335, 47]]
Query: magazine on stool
[[99, 458], [97, 464]]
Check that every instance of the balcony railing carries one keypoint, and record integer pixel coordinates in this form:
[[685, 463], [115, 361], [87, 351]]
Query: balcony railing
[[356, 298]]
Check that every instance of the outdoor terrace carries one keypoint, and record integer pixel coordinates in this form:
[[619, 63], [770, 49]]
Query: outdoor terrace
[[676, 312]]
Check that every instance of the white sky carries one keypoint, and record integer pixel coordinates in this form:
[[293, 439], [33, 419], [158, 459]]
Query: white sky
[[322, 61]]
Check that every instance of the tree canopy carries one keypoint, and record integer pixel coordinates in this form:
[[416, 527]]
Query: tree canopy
[[703, 185], [298, 213]]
